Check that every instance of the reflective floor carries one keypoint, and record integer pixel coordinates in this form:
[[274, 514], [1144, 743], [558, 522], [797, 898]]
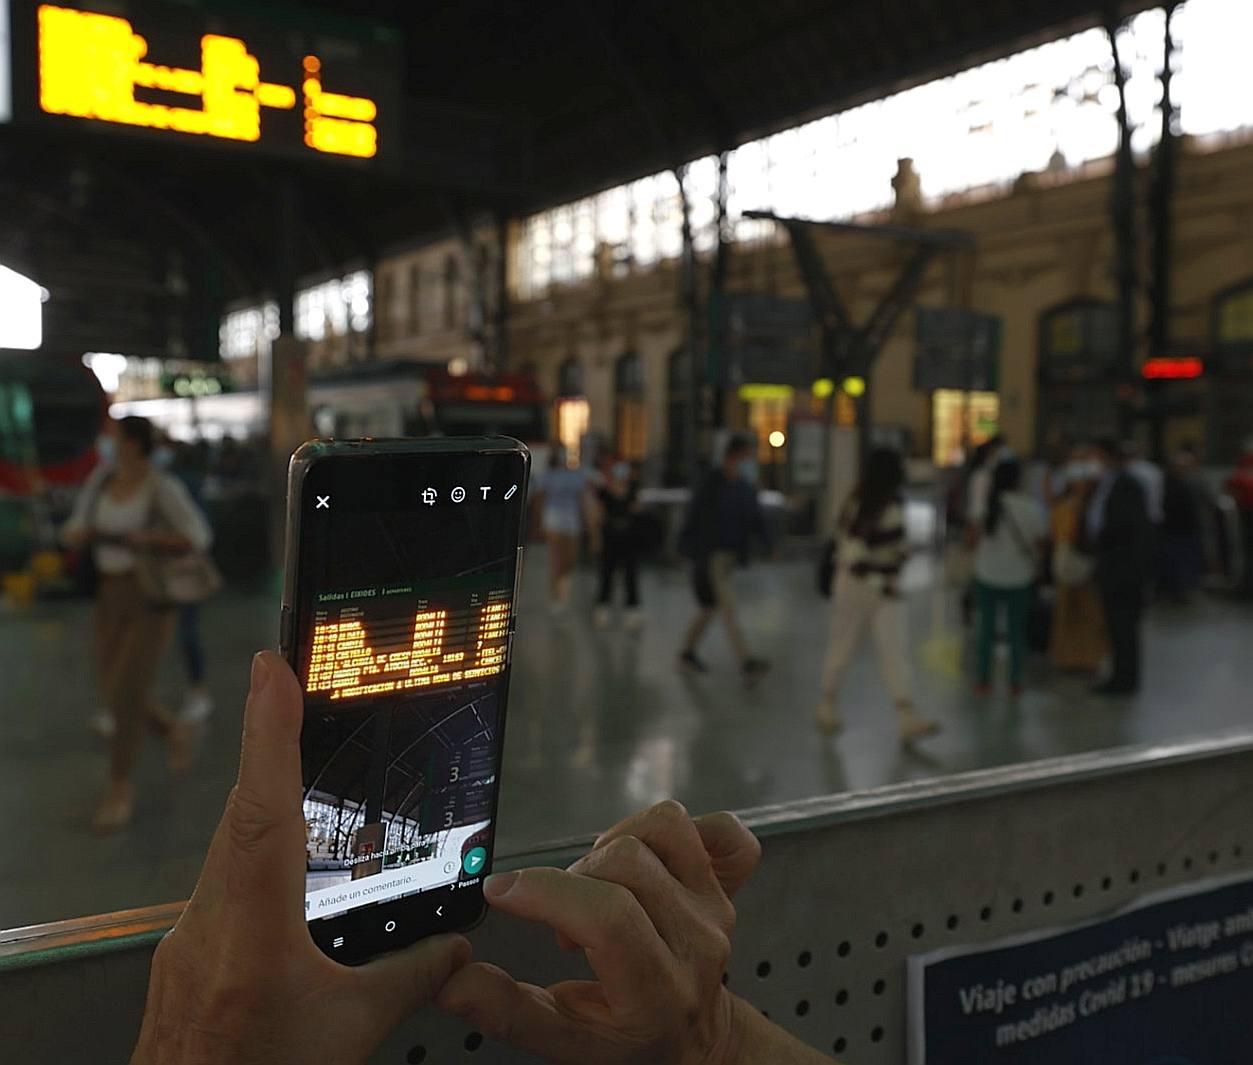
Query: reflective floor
[[600, 723]]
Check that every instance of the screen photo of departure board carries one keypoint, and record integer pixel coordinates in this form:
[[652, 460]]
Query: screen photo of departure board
[[376, 640]]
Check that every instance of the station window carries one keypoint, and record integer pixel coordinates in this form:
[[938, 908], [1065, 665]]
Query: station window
[[961, 421], [630, 416], [573, 410], [769, 408]]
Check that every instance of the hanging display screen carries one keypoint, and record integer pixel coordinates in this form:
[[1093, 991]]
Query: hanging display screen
[[182, 73]]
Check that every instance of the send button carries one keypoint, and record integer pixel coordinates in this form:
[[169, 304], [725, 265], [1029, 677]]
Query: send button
[[474, 861]]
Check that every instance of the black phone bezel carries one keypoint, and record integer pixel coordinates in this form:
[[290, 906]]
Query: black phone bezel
[[368, 931]]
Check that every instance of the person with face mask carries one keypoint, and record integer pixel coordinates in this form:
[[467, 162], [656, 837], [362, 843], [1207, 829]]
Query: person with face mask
[[723, 523], [128, 508], [620, 547]]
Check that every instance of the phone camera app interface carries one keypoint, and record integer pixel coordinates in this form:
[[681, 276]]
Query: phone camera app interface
[[408, 567]]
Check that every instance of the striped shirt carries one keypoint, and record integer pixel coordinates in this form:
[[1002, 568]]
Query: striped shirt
[[877, 552]]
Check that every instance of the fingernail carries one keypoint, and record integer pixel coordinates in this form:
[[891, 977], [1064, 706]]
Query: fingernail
[[260, 673], [499, 885]]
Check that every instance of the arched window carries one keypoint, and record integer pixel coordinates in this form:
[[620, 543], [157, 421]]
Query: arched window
[[1078, 350], [630, 421], [452, 278]]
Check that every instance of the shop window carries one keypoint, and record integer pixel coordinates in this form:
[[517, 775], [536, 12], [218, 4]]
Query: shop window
[[573, 416], [769, 408], [630, 418], [960, 422]]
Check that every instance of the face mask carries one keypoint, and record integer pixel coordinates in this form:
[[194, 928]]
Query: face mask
[[106, 448], [747, 470], [163, 458]]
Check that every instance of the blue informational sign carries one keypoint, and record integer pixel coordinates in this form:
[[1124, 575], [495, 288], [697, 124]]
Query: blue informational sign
[[1168, 981]]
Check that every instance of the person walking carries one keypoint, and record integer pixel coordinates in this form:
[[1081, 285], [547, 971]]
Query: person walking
[[1007, 562], [723, 522], [871, 549], [127, 510], [563, 501], [1077, 639], [1185, 504], [1119, 535], [620, 546]]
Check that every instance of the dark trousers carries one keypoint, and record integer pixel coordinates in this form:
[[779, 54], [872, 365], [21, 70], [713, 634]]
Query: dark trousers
[[618, 555], [1123, 604], [189, 642]]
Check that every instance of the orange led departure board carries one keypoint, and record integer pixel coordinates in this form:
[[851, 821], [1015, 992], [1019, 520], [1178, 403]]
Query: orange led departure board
[[282, 89], [358, 649]]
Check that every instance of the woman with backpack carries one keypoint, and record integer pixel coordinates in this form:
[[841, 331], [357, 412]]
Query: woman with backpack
[[871, 549], [1007, 561]]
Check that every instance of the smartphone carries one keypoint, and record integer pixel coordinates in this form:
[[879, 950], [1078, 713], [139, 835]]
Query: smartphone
[[403, 559]]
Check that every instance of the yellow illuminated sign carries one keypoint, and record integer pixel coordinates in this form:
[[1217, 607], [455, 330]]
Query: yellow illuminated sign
[[90, 66]]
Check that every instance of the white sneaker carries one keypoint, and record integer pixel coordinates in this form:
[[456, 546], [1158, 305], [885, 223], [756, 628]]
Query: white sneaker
[[102, 724], [634, 620], [601, 617], [197, 705]]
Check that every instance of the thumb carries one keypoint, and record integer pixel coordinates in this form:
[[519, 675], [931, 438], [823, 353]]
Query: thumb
[[258, 850], [398, 984]]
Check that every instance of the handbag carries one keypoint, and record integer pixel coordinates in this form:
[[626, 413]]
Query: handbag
[[1071, 567], [173, 578]]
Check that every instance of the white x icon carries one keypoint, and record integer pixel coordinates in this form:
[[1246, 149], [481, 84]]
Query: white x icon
[[324, 503]]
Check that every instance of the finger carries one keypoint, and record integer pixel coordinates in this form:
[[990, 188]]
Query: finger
[[622, 944], [671, 907], [258, 851], [396, 985], [520, 1015], [733, 850], [668, 831]]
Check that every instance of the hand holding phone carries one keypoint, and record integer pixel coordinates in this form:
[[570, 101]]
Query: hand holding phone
[[238, 979], [403, 562]]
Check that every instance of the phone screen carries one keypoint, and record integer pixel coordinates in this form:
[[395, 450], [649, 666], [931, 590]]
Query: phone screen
[[406, 573]]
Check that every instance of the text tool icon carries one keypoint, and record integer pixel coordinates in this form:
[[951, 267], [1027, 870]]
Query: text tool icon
[[458, 495], [473, 862], [513, 489], [485, 488], [429, 495], [337, 942], [323, 503]]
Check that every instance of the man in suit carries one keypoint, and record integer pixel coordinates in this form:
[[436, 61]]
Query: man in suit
[[1119, 534]]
